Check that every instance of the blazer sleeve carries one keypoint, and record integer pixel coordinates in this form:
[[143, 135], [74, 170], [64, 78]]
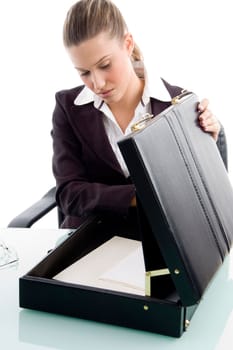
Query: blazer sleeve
[[222, 146], [76, 195]]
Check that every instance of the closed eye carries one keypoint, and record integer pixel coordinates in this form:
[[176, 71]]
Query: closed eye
[[106, 66], [84, 74]]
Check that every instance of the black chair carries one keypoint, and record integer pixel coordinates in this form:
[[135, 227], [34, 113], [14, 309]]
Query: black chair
[[36, 211], [48, 202]]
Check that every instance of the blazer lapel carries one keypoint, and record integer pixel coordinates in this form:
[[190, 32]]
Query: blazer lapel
[[89, 124], [158, 106]]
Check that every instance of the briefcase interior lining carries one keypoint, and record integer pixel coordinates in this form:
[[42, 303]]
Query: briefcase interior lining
[[83, 243]]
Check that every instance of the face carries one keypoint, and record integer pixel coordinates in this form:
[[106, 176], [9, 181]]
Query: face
[[104, 65]]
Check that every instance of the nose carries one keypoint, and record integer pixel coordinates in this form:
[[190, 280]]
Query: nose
[[98, 81]]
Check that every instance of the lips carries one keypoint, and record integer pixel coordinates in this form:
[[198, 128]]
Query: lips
[[105, 93]]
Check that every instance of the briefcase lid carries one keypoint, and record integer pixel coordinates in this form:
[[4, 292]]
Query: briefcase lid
[[185, 193]]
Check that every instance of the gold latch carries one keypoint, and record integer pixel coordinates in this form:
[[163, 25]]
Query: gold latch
[[178, 98], [147, 117], [142, 122], [149, 275]]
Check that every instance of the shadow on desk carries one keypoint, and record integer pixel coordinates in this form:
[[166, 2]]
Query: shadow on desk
[[206, 329]]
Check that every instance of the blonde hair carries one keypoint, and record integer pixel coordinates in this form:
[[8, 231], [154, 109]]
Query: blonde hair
[[88, 18]]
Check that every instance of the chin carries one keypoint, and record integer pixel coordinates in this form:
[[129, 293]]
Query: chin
[[114, 99], [111, 99]]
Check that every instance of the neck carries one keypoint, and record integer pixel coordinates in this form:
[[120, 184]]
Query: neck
[[134, 92], [123, 110]]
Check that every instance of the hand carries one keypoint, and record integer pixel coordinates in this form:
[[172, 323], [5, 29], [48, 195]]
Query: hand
[[133, 202], [207, 120]]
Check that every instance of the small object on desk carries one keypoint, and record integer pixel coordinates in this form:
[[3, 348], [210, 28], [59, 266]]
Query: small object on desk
[[8, 256]]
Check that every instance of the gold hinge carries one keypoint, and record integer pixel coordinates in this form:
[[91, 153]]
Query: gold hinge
[[150, 274]]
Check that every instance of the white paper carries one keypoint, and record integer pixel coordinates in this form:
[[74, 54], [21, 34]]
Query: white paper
[[130, 271], [117, 265]]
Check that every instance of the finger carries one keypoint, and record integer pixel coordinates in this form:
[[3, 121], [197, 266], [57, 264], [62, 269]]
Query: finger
[[207, 113], [214, 134], [206, 117], [213, 127], [210, 121], [203, 104]]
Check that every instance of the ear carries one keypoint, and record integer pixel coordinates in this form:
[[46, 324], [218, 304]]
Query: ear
[[129, 43]]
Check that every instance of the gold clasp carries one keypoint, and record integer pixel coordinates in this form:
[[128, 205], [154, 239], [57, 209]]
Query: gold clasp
[[147, 117], [178, 98], [142, 122]]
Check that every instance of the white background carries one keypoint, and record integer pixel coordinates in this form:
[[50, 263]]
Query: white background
[[186, 42]]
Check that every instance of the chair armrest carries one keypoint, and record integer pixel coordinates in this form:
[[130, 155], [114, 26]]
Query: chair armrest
[[35, 212]]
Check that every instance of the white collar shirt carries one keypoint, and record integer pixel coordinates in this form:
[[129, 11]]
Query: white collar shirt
[[156, 89]]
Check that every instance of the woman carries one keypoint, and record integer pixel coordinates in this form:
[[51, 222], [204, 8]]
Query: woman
[[88, 120]]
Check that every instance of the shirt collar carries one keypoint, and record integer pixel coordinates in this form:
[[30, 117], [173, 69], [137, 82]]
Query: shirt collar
[[154, 87]]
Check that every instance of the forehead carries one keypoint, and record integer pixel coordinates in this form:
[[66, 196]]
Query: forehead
[[91, 51]]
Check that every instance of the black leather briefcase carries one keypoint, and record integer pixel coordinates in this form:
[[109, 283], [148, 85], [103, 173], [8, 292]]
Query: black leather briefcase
[[185, 194], [184, 203]]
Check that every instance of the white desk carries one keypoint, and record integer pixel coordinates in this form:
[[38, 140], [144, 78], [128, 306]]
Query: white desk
[[211, 327]]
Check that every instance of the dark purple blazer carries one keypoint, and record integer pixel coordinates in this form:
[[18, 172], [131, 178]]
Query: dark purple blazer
[[88, 176]]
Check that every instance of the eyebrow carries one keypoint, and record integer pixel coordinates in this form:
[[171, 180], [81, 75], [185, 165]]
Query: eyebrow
[[95, 64]]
